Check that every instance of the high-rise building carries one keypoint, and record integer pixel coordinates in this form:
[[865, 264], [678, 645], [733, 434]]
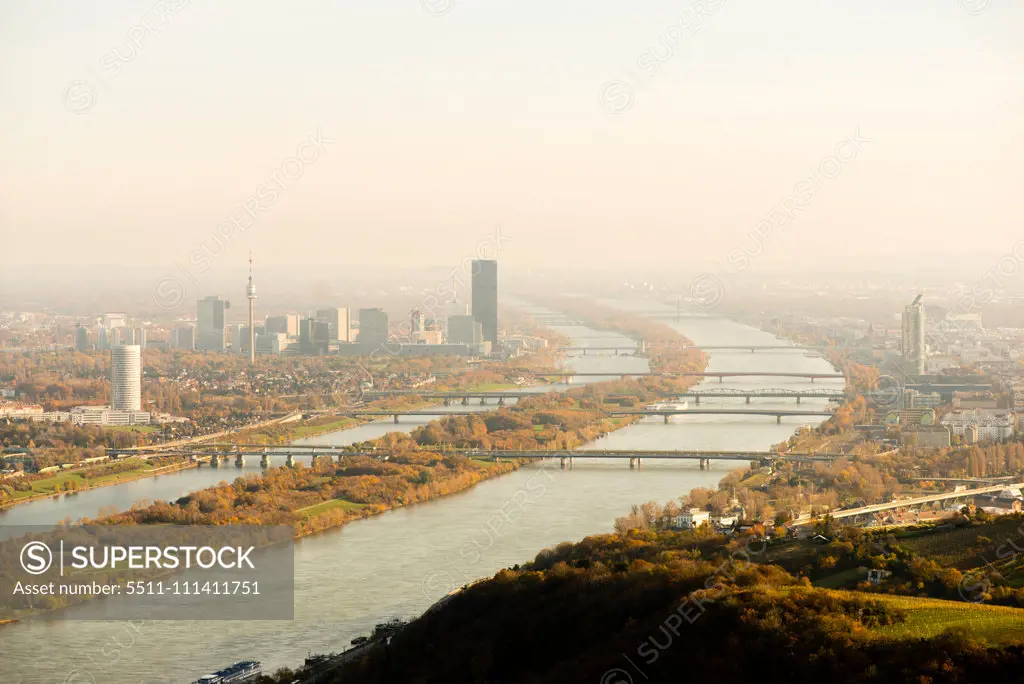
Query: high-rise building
[[373, 326], [337, 323], [314, 336], [271, 343], [126, 377], [286, 323], [210, 314], [464, 330], [914, 351], [115, 320], [102, 338], [134, 336], [485, 297], [81, 338], [417, 322], [184, 337]]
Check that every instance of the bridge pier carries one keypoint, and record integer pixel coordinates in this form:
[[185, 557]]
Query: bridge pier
[[666, 419], [501, 401], [721, 379], [483, 401], [698, 400], [465, 401], [240, 461], [290, 461], [447, 401], [265, 460], [634, 462], [778, 419], [215, 461], [396, 419], [748, 398], [568, 380]]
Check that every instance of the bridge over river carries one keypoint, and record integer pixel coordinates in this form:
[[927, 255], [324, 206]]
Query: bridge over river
[[667, 413], [215, 453]]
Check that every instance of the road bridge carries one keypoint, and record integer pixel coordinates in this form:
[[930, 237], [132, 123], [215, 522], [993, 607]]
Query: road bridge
[[910, 503], [239, 452], [779, 414], [395, 414], [729, 393], [500, 396], [721, 375]]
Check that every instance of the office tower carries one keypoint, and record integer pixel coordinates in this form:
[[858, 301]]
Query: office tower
[[81, 339], [250, 293], [465, 330], [115, 320], [914, 353], [102, 338], [417, 322], [115, 337], [126, 378], [210, 314], [239, 336], [485, 297], [287, 324], [337, 323], [373, 326], [314, 336], [184, 337], [134, 336], [271, 343]]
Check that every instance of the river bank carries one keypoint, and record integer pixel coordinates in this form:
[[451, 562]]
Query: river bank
[[105, 481]]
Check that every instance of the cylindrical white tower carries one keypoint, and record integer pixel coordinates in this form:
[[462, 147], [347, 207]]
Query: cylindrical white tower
[[126, 377]]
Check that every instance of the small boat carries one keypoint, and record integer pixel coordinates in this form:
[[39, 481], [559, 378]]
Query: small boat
[[670, 406], [244, 671]]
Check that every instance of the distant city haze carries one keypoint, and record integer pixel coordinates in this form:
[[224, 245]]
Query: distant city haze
[[593, 133]]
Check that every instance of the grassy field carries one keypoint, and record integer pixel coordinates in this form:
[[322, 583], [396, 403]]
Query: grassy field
[[960, 547], [132, 428], [928, 617], [59, 481], [328, 505], [310, 430]]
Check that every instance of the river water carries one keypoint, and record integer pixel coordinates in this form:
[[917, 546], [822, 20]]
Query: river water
[[398, 563]]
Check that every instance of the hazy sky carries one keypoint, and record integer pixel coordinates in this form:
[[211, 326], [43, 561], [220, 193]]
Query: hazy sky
[[555, 120]]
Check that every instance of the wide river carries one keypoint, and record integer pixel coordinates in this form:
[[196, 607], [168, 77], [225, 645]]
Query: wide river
[[399, 563]]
